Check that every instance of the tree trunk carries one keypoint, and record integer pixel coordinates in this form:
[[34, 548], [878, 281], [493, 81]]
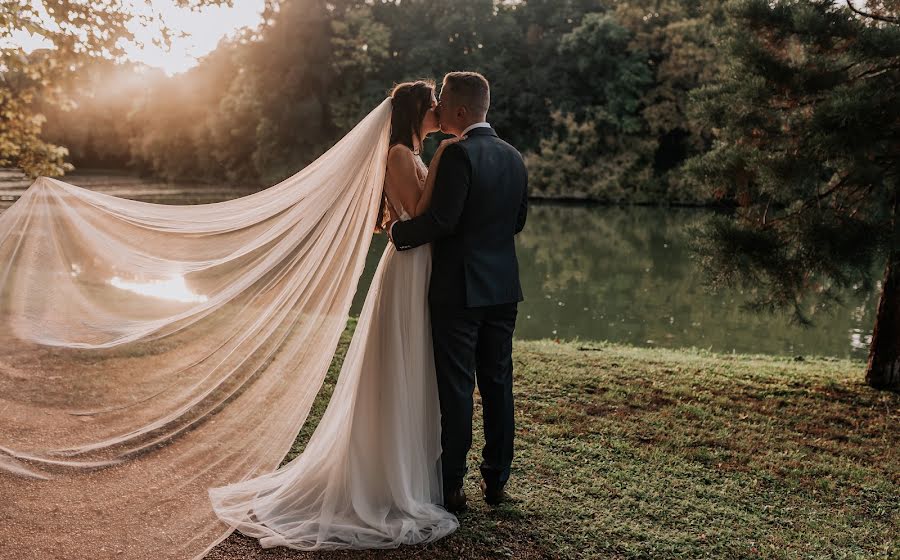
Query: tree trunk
[[883, 370]]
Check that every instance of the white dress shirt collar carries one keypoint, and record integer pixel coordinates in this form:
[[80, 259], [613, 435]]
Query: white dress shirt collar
[[476, 125]]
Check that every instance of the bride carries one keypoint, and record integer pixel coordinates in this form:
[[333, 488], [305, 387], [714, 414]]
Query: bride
[[157, 362], [370, 475]]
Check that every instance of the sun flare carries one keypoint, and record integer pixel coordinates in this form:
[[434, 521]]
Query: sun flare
[[202, 28], [173, 289]]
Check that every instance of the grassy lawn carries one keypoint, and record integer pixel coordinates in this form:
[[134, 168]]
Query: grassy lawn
[[626, 452]]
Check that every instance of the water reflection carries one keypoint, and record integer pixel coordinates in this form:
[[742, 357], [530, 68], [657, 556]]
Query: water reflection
[[172, 289], [595, 273], [626, 275]]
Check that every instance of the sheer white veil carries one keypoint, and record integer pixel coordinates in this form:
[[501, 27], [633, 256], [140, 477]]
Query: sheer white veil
[[149, 352]]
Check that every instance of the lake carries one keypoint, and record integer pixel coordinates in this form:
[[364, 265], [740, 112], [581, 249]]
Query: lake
[[622, 274], [625, 274]]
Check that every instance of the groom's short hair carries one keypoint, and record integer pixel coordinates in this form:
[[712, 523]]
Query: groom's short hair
[[471, 89]]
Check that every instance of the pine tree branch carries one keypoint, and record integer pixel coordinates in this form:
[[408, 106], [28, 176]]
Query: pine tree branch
[[873, 72], [886, 19], [861, 193], [807, 204], [834, 188]]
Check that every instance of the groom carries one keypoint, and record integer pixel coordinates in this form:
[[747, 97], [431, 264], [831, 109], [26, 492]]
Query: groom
[[478, 205]]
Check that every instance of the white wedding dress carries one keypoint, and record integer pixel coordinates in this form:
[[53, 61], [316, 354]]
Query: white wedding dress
[[152, 352], [370, 475]]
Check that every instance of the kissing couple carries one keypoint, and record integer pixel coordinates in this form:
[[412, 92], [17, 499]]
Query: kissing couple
[[386, 463]]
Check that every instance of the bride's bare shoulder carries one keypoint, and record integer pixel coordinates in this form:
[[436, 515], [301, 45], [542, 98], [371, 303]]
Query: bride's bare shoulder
[[401, 157], [400, 150]]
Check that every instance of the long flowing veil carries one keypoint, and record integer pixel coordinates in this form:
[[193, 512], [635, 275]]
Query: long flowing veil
[[149, 352]]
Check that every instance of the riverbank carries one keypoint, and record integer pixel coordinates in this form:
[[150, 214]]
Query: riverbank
[[598, 272], [626, 452]]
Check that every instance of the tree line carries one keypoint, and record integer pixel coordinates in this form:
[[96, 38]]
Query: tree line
[[784, 112], [593, 92]]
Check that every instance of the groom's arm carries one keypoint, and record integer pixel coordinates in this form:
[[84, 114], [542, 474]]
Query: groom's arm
[[451, 187], [523, 206]]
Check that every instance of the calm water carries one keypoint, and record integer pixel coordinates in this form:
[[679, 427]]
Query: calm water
[[600, 273], [626, 275]]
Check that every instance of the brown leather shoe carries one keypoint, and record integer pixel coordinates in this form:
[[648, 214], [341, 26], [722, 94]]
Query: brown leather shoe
[[493, 495], [455, 501]]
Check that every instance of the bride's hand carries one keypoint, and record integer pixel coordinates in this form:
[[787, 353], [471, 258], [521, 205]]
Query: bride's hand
[[444, 143], [440, 150]]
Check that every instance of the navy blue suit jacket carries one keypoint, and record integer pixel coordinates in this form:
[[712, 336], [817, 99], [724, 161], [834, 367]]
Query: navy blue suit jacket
[[479, 204]]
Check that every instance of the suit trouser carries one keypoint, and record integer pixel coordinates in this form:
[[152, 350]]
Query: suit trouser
[[472, 346]]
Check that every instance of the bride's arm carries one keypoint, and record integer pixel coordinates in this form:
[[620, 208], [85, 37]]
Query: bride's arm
[[401, 180], [425, 199]]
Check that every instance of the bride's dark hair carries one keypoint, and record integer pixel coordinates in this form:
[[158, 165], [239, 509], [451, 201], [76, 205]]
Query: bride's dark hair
[[410, 102]]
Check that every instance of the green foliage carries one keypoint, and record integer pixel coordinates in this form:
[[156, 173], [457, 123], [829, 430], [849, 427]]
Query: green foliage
[[261, 106], [360, 49], [593, 89], [605, 71], [599, 151], [806, 122], [20, 139], [594, 92], [590, 158], [79, 32], [628, 73]]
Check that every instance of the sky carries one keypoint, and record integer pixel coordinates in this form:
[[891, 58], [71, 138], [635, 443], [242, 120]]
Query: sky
[[205, 27]]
